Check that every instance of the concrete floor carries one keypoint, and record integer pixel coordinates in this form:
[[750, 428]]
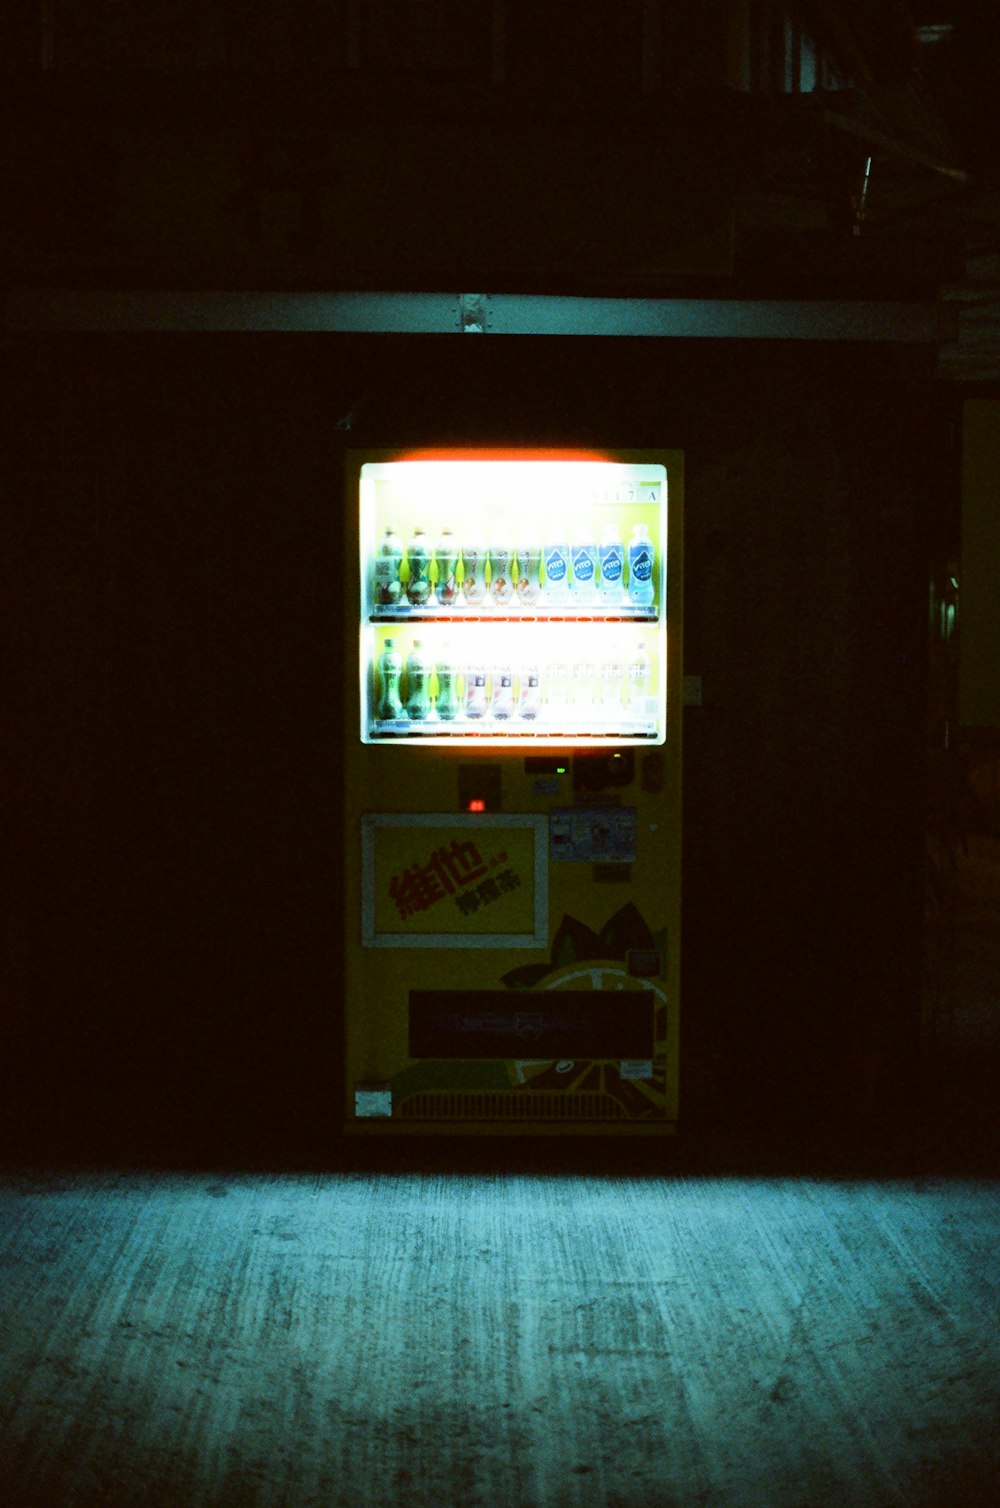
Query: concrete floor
[[499, 1339], [539, 1330]]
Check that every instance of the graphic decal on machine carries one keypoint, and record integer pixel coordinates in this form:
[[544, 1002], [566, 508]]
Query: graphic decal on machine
[[444, 880], [456, 873], [624, 955]]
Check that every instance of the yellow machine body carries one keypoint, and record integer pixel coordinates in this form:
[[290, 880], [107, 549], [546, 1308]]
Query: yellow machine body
[[512, 875]]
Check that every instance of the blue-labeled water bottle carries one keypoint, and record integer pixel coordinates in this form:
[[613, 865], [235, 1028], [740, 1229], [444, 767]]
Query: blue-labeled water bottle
[[611, 566], [585, 572], [418, 688], [557, 572], [389, 707], [640, 567]]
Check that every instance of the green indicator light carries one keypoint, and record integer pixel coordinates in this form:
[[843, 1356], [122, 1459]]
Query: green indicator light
[[560, 769]]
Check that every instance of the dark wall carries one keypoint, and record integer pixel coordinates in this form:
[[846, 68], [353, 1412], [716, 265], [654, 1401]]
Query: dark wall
[[171, 657], [172, 669]]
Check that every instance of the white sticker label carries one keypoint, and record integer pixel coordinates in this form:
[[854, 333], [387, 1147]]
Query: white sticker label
[[636, 1068]]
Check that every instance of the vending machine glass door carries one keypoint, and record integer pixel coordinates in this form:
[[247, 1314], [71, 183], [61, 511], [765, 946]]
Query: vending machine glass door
[[518, 602]]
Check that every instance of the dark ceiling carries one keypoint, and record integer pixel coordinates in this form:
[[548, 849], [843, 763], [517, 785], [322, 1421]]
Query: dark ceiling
[[206, 150]]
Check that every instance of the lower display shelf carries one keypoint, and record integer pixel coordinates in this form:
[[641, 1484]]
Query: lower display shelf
[[460, 731], [514, 683]]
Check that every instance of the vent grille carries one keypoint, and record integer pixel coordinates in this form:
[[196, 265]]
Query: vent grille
[[455, 1105]]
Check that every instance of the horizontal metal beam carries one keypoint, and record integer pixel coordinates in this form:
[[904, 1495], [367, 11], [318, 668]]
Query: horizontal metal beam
[[492, 314], [393, 313], [716, 319]]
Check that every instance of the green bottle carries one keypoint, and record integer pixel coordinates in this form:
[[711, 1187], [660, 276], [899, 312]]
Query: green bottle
[[446, 558], [446, 700], [418, 676], [389, 707]]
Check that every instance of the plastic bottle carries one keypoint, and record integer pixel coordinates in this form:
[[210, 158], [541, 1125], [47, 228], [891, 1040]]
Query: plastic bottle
[[502, 700], [503, 567], [388, 587], [638, 684], [557, 690], [475, 689], [612, 676], [640, 567], [418, 559], [529, 560], [389, 707], [474, 583], [418, 696], [585, 571], [529, 699], [611, 566], [583, 691], [446, 562], [446, 701], [558, 578]]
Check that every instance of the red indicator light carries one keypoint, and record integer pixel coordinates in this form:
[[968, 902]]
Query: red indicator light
[[477, 805]]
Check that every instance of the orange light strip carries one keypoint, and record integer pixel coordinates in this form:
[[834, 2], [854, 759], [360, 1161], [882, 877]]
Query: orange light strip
[[490, 453]]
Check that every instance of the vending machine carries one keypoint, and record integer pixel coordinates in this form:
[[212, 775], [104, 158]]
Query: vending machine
[[512, 792]]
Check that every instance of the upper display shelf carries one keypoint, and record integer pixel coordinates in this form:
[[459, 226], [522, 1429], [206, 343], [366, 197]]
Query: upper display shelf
[[533, 540], [538, 612]]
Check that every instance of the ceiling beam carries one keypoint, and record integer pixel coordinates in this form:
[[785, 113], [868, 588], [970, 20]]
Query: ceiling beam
[[484, 314]]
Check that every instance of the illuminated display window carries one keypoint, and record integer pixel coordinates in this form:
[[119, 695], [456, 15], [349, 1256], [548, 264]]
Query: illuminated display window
[[512, 600]]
